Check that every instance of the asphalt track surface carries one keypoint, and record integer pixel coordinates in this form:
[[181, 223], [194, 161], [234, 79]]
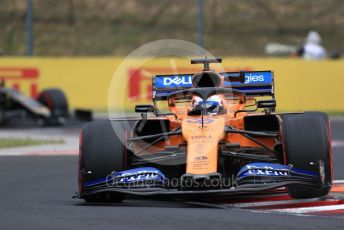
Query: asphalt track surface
[[36, 193]]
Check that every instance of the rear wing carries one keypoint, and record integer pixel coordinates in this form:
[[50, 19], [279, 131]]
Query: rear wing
[[257, 83]]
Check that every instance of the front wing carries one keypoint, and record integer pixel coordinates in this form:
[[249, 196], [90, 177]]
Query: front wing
[[253, 178]]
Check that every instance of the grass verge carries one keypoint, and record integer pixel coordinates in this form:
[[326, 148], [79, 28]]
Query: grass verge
[[18, 142]]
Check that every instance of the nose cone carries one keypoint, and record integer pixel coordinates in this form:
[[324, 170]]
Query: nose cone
[[202, 148]]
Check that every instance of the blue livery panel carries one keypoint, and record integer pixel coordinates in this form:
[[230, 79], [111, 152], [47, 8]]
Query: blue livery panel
[[257, 83], [271, 173], [131, 178]]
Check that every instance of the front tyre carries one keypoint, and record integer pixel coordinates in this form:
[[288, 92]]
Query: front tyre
[[306, 140], [102, 151]]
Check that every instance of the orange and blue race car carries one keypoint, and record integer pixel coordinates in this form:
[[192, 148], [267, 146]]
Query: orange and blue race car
[[220, 137]]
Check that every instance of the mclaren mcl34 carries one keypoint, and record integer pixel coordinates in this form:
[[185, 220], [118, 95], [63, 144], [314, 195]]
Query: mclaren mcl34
[[219, 137]]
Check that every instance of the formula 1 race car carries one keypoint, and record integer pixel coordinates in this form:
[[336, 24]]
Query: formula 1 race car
[[50, 108], [212, 142]]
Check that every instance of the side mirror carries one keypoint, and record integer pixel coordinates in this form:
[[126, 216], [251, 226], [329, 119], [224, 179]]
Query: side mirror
[[266, 104], [144, 108]]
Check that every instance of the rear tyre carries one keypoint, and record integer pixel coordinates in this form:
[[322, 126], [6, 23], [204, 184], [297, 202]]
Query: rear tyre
[[102, 151], [57, 103], [306, 139]]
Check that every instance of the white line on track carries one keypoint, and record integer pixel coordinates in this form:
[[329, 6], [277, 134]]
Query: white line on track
[[321, 204], [337, 143], [276, 203], [38, 152], [311, 209]]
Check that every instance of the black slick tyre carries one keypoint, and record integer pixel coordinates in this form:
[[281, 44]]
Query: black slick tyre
[[306, 142], [102, 151]]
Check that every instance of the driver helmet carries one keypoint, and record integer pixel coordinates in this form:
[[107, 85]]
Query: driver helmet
[[213, 101]]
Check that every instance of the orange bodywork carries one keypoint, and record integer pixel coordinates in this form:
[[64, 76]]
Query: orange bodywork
[[202, 148], [203, 141]]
